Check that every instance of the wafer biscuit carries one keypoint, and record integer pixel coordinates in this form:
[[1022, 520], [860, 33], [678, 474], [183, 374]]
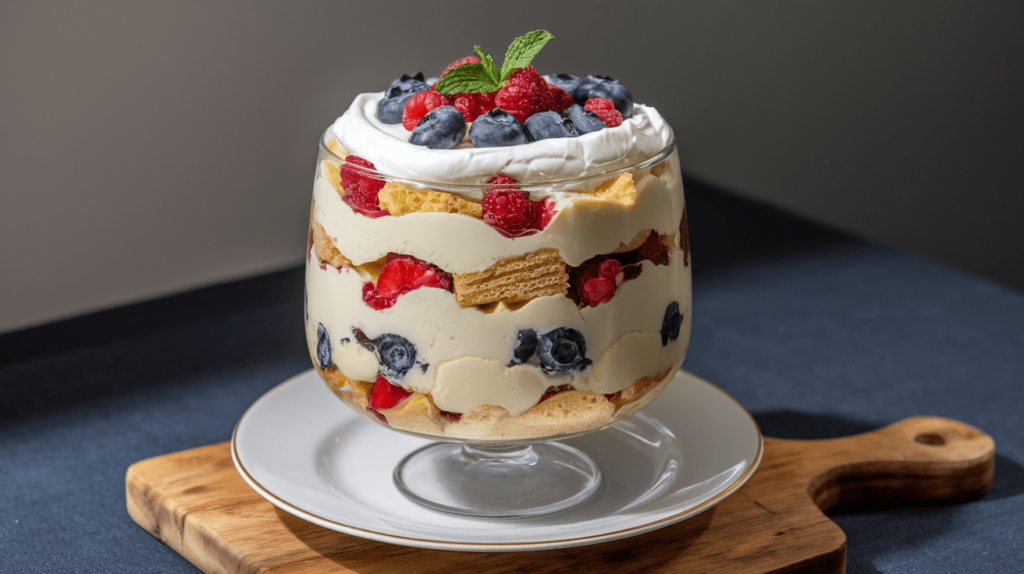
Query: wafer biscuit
[[539, 273], [399, 199]]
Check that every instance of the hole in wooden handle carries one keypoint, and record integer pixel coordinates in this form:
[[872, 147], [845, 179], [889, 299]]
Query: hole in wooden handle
[[930, 439]]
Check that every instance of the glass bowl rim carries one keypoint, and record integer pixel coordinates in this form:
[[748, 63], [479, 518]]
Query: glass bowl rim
[[477, 189]]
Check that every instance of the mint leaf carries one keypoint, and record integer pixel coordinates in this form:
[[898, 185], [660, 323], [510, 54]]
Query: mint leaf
[[522, 50], [488, 63], [465, 79]]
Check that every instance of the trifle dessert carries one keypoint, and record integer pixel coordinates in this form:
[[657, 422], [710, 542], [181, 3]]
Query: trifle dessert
[[496, 255]]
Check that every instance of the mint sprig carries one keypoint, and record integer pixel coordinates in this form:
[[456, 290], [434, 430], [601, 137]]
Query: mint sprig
[[522, 50], [485, 76]]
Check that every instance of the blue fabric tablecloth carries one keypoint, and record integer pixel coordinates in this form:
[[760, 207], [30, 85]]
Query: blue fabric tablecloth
[[817, 334]]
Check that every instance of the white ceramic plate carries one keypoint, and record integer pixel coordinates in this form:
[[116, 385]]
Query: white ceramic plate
[[309, 454]]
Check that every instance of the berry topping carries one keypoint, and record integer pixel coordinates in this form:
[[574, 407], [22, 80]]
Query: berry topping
[[559, 99], [441, 128], [384, 395], [547, 125], [396, 355], [506, 208], [323, 346], [460, 62], [496, 128], [566, 82], [418, 106], [484, 102], [561, 350], [671, 323], [604, 110], [389, 109], [607, 88], [526, 346], [525, 94], [361, 188], [584, 121], [400, 275], [466, 103]]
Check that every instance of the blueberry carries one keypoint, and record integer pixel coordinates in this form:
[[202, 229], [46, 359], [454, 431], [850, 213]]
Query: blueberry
[[547, 125], [607, 88], [389, 109], [567, 82], [396, 356], [671, 323], [584, 121], [406, 85], [561, 350], [440, 128], [323, 346], [497, 128], [526, 345]]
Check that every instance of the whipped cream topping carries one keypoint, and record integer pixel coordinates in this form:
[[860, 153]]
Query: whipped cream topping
[[639, 138]]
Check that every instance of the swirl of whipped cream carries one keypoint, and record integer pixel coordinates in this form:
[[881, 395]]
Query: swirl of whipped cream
[[639, 138]]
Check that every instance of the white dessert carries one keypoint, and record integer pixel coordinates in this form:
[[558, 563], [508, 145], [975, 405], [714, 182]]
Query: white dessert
[[464, 381]]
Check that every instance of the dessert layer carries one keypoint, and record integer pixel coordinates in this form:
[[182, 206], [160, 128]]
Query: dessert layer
[[623, 340], [566, 412], [387, 147], [583, 226]]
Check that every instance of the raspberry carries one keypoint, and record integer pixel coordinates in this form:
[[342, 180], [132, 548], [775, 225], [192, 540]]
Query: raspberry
[[609, 269], [400, 275], [605, 110], [507, 208], [384, 395], [419, 105], [485, 102], [525, 94], [598, 290], [544, 211], [361, 188], [559, 99], [460, 62], [654, 250], [503, 182], [466, 104]]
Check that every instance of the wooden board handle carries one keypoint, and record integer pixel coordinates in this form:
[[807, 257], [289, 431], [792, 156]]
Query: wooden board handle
[[920, 458]]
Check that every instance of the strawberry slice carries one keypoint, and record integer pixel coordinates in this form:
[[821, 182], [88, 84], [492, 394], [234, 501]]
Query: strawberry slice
[[384, 395], [400, 275]]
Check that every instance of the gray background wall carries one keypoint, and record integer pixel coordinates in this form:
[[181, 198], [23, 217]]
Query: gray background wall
[[151, 148]]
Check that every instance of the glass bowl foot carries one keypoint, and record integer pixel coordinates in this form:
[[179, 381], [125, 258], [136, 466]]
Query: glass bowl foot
[[498, 481]]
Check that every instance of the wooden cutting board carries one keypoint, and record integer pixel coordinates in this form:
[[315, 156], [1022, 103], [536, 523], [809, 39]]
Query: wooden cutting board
[[196, 503]]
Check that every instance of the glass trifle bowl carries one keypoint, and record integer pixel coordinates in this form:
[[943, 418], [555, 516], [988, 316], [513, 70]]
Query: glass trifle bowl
[[497, 299]]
